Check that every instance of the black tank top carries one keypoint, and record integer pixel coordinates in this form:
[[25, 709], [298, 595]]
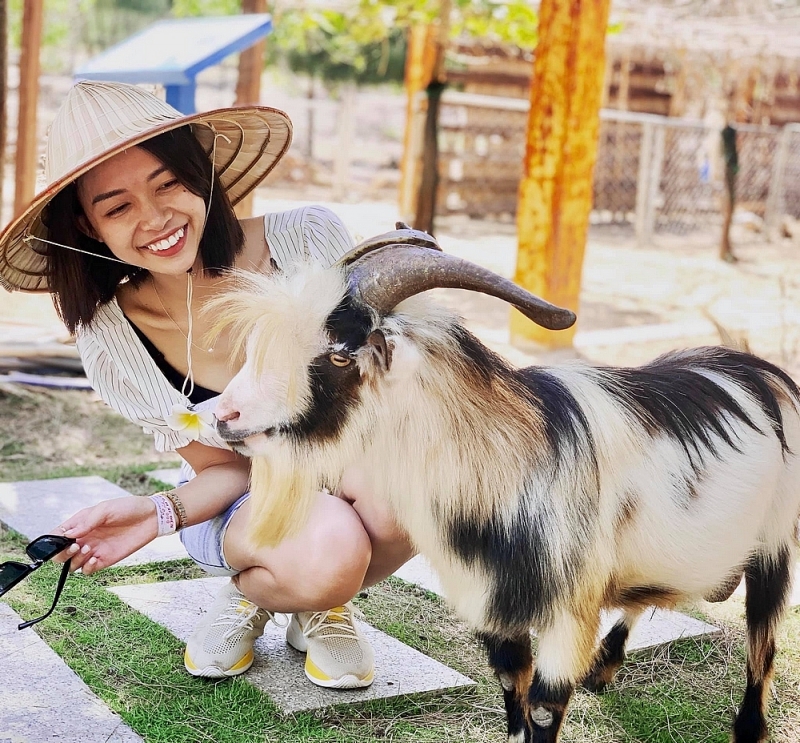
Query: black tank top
[[174, 377]]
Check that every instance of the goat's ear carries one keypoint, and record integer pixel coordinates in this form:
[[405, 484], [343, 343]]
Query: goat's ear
[[381, 349]]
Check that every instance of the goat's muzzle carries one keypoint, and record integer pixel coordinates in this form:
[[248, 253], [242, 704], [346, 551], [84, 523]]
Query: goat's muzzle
[[234, 437]]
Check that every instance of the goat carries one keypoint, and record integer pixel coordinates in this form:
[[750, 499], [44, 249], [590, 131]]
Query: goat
[[539, 495]]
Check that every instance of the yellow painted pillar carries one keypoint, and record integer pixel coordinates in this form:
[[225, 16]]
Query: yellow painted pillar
[[555, 194], [420, 62]]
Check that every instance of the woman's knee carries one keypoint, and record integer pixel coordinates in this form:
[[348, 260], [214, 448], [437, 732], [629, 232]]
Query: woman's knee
[[324, 564], [337, 552]]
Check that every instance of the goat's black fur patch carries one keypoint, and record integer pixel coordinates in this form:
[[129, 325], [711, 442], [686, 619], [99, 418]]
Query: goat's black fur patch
[[513, 549], [767, 581], [513, 659], [608, 658], [566, 426], [514, 552], [673, 395], [334, 390]]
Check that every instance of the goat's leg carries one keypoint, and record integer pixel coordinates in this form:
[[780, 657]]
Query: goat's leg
[[611, 653], [564, 658], [512, 661], [767, 578]]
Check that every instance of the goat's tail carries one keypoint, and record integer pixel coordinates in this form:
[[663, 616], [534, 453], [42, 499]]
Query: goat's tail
[[282, 496]]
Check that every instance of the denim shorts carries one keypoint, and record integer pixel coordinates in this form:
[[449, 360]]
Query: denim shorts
[[204, 541]]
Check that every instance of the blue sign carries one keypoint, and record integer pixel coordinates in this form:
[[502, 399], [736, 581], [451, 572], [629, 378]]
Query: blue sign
[[172, 52]]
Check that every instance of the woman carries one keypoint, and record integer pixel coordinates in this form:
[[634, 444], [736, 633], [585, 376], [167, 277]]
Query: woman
[[132, 235]]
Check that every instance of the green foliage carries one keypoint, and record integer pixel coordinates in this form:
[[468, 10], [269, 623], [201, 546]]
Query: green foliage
[[366, 43], [184, 8], [505, 22], [326, 44]]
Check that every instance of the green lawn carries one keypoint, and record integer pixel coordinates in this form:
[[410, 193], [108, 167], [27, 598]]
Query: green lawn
[[686, 692]]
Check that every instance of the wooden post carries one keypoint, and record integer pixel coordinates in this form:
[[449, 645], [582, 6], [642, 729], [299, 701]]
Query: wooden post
[[429, 178], [643, 182], [420, 58], [248, 85], [730, 156], [25, 162], [345, 128], [3, 97], [555, 195]]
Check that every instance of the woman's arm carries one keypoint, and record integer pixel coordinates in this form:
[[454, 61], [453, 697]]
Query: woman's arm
[[113, 529]]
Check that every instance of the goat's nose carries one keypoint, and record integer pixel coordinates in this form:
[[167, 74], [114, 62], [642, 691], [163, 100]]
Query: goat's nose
[[224, 417]]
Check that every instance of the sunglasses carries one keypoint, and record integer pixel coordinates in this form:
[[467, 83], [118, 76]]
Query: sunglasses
[[40, 550]]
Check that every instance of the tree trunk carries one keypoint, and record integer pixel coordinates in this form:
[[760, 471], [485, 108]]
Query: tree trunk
[[420, 60], [429, 181], [3, 97], [555, 195], [426, 198], [248, 84], [730, 157], [25, 164]]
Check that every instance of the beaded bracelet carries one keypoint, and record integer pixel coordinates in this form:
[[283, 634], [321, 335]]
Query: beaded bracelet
[[177, 504], [165, 513]]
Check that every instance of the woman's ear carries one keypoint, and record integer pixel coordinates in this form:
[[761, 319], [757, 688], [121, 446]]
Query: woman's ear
[[85, 226]]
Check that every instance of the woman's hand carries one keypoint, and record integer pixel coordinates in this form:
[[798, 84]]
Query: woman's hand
[[108, 532]]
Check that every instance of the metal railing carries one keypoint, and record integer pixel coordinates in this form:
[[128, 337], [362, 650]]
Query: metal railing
[[657, 174]]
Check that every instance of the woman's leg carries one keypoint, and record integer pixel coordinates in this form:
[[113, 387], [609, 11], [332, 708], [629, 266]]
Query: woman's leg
[[322, 566]]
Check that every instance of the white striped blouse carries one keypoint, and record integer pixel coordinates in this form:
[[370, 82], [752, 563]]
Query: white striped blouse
[[124, 374]]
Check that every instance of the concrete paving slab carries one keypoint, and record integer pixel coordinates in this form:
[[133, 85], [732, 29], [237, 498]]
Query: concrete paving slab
[[35, 507], [278, 668], [654, 628], [42, 699], [170, 476], [659, 627]]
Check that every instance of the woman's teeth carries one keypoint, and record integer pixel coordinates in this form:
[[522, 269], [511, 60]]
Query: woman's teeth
[[167, 242]]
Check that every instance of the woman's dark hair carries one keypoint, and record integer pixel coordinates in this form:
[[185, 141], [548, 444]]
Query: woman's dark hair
[[80, 283]]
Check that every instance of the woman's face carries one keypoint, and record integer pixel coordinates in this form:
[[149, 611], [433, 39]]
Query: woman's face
[[142, 213]]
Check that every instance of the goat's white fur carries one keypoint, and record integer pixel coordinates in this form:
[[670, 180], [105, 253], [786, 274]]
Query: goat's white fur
[[414, 432]]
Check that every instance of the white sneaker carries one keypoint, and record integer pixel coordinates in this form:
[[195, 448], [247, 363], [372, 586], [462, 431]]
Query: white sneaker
[[222, 642], [338, 654]]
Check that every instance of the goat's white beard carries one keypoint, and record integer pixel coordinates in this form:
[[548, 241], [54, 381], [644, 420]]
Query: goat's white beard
[[283, 495]]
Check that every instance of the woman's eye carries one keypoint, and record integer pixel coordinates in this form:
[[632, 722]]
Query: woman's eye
[[168, 184], [116, 210], [339, 359]]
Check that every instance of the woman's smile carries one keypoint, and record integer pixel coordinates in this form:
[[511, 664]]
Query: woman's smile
[[169, 245]]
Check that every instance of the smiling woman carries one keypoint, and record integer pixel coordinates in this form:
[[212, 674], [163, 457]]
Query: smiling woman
[[134, 234]]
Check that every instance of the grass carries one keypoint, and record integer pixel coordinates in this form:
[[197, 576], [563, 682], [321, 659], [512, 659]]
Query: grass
[[686, 692]]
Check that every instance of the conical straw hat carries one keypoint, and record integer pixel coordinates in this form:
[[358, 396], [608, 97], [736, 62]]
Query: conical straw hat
[[101, 119]]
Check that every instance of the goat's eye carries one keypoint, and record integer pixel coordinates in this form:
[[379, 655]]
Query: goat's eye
[[339, 359]]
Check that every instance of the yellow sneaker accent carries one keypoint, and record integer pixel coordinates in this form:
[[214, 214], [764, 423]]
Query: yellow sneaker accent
[[338, 654]]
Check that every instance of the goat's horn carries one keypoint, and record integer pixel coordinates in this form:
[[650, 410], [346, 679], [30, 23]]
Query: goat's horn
[[387, 276], [402, 235]]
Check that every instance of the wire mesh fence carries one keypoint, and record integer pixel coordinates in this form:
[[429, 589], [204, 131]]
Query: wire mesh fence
[[658, 175]]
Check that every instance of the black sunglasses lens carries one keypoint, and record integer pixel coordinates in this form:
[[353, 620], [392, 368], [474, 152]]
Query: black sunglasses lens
[[48, 546], [11, 573]]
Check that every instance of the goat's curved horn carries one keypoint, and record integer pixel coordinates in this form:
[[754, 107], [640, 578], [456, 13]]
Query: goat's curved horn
[[385, 277], [402, 235]]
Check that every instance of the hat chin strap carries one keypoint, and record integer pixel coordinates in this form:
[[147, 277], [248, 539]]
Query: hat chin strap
[[28, 237]]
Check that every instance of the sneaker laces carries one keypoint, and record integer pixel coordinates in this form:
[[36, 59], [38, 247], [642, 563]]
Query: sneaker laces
[[240, 617], [336, 622]]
